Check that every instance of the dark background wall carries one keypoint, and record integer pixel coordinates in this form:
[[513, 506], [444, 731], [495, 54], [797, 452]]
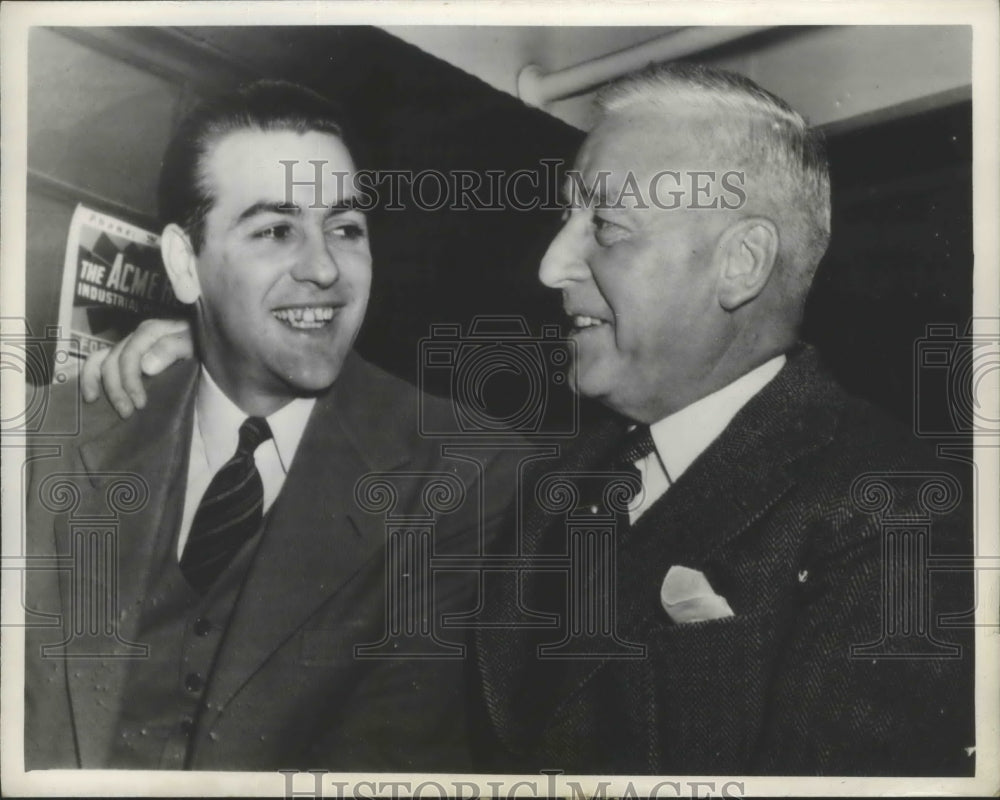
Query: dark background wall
[[102, 103]]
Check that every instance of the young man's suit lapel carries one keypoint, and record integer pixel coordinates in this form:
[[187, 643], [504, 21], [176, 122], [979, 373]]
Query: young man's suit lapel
[[149, 452]]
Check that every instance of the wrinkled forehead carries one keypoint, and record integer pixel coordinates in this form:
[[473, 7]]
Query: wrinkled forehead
[[645, 141]]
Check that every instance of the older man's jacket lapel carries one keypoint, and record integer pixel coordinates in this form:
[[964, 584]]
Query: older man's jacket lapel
[[505, 654], [730, 486]]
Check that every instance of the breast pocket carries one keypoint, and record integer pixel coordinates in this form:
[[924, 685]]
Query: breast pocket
[[710, 682]]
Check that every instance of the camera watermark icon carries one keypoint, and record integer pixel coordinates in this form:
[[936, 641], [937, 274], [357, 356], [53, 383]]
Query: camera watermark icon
[[500, 380], [42, 361], [956, 380], [88, 532], [957, 406], [906, 503]]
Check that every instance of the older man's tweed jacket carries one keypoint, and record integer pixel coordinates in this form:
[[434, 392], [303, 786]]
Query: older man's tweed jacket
[[779, 515]]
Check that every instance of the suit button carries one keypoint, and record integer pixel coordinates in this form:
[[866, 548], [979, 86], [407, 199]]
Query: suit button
[[194, 682], [202, 627], [187, 726]]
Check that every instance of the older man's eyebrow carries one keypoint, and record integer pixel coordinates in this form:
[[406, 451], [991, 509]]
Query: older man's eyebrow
[[565, 193], [568, 193], [575, 191]]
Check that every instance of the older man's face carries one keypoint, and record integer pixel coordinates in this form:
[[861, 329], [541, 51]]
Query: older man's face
[[638, 281]]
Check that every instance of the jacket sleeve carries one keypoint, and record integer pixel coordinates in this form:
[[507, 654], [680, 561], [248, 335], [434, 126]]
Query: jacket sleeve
[[870, 682], [49, 737]]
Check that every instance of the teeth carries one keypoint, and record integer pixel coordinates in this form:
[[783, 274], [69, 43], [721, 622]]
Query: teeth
[[583, 321], [305, 317]]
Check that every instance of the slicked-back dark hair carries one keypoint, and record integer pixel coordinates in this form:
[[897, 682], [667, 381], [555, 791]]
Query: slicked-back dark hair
[[184, 196]]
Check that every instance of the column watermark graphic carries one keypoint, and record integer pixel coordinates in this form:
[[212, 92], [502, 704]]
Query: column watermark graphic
[[409, 530], [907, 560], [592, 526], [591, 507], [89, 536]]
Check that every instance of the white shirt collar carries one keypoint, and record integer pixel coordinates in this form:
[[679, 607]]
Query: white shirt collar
[[219, 420], [683, 436]]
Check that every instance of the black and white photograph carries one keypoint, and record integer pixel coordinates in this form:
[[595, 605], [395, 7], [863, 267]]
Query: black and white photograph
[[500, 400]]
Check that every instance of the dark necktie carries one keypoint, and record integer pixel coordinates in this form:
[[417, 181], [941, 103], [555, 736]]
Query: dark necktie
[[229, 513], [637, 444]]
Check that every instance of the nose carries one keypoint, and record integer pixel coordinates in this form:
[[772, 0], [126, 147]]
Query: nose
[[317, 263], [565, 260]]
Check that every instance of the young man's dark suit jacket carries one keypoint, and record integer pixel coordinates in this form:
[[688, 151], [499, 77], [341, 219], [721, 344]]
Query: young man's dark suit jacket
[[766, 514], [286, 690]]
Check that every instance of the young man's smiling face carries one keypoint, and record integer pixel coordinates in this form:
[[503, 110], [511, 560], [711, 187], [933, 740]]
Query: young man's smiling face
[[283, 287]]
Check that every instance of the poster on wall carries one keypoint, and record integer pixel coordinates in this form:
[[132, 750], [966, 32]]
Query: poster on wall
[[113, 278]]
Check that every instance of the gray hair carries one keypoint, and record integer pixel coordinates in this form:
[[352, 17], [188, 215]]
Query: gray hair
[[772, 141]]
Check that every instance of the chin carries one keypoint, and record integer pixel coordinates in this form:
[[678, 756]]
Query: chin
[[314, 380], [592, 383]]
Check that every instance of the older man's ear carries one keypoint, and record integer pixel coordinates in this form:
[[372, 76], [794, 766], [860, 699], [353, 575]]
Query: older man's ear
[[748, 250]]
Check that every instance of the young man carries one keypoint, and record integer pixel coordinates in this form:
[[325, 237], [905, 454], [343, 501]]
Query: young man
[[246, 573]]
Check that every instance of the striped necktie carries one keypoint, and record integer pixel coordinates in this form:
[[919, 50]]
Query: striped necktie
[[229, 513], [636, 445]]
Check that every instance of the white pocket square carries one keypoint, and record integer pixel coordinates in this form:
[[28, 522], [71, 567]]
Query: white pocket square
[[687, 596]]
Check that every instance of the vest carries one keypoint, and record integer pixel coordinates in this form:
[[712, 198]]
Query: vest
[[163, 697]]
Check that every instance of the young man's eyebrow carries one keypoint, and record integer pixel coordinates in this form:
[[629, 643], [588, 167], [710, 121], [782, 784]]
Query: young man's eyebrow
[[350, 204], [269, 206], [293, 210]]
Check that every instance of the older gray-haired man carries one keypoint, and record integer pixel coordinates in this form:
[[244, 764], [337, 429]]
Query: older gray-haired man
[[748, 575]]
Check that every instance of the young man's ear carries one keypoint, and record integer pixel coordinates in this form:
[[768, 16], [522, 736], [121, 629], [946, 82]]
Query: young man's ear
[[749, 249], [181, 263]]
